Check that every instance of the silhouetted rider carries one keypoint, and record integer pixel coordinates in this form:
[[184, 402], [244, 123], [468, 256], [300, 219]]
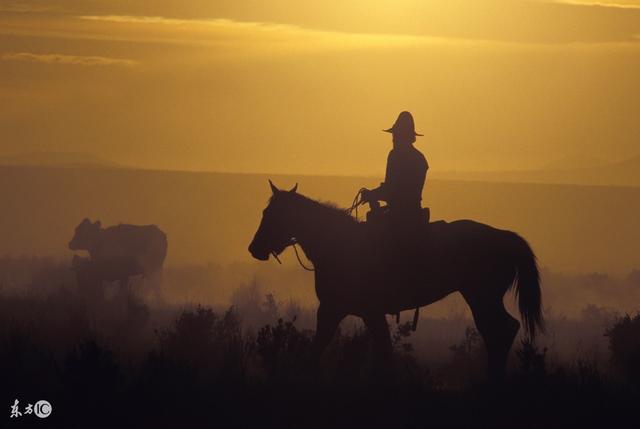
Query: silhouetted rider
[[406, 173]]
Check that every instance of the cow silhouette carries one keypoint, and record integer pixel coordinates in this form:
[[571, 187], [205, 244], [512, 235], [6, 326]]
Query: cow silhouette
[[118, 253]]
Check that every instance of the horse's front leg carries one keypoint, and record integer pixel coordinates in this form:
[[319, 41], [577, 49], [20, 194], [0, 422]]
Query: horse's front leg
[[328, 319], [382, 347]]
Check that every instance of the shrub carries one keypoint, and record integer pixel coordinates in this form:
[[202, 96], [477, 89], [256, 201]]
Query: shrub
[[532, 360], [92, 378], [206, 342], [283, 348], [467, 349], [624, 344]]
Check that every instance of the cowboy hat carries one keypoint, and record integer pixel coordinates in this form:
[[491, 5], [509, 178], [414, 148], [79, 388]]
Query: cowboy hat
[[404, 125]]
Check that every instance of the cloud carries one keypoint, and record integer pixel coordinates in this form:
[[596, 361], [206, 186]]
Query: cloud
[[520, 26], [343, 26], [518, 21], [68, 59], [270, 36], [225, 35], [599, 4]]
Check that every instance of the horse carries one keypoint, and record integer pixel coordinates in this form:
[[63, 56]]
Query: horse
[[362, 272]]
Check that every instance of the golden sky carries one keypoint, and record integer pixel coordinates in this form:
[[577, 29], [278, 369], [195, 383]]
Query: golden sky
[[300, 87]]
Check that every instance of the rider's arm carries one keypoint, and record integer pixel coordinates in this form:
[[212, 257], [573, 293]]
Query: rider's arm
[[377, 194], [381, 192]]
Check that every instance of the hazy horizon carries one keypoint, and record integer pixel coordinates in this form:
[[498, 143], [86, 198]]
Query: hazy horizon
[[61, 158], [211, 217], [583, 171]]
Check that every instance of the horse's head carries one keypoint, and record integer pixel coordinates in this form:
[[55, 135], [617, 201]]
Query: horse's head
[[274, 233]]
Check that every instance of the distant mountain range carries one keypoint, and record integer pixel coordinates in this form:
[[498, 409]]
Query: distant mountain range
[[580, 172], [58, 159]]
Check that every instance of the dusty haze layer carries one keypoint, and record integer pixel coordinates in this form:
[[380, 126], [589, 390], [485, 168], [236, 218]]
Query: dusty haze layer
[[212, 217]]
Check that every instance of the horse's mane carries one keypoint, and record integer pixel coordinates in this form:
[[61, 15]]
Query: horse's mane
[[323, 208]]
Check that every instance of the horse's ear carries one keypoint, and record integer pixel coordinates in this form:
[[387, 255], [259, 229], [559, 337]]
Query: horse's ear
[[294, 189], [273, 187]]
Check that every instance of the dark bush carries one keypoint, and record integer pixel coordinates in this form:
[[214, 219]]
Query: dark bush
[[624, 344], [283, 348], [92, 379], [532, 359], [468, 348], [206, 342]]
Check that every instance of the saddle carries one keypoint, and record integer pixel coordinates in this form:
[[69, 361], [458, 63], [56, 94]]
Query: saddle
[[381, 215]]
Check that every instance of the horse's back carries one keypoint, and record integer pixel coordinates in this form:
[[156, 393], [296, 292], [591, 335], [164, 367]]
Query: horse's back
[[461, 245], [462, 229]]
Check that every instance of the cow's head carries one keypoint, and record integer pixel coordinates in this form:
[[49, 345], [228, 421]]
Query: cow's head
[[274, 233], [86, 235]]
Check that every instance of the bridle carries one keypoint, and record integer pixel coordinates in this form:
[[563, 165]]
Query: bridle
[[293, 243], [357, 201]]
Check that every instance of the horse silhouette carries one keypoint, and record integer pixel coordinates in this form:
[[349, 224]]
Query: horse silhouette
[[358, 273]]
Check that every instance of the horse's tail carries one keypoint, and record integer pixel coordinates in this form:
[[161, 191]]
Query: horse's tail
[[527, 287]]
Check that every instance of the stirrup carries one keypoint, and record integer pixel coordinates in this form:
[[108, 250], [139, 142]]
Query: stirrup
[[416, 316], [414, 326]]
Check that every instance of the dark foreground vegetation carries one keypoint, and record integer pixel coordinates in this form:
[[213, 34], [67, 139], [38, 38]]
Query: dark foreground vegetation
[[204, 368], [115, 361]]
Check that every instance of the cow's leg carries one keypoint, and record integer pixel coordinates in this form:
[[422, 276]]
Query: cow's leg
[[328, 319], [96, 283], [154, 280]]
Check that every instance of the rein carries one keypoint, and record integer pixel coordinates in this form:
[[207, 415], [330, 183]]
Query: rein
[[357, 201], [295, 249]]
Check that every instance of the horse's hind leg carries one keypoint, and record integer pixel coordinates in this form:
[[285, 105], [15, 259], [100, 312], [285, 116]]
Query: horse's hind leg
[[498, 329]]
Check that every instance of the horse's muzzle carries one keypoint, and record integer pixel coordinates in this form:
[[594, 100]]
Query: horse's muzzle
[[261, 256]]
